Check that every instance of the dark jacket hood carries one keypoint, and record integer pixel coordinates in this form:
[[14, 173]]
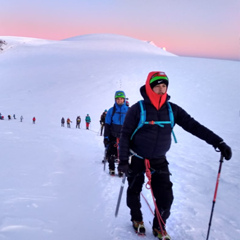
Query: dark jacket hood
[[157, 100]]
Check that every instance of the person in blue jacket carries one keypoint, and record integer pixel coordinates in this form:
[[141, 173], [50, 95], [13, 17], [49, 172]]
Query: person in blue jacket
[[113, 124], [88, 121], [149, 145]]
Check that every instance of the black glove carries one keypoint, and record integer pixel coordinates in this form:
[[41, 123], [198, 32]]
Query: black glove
[[225, 150], [106, 142], [123, 167]]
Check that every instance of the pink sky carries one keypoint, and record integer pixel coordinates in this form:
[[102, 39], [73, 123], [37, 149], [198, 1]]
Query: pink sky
[[189, 28]]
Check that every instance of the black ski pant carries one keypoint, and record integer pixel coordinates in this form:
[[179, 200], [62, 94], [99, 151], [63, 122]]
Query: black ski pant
[[161, 186], [112, 154], [102, 127]]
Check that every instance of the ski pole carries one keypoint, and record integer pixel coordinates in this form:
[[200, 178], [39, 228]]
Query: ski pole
[[105, 159], [120, 194], [118, 149], [215, 195]]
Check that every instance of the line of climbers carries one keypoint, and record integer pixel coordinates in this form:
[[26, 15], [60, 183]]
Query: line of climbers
[[14, 117], [78, 122]]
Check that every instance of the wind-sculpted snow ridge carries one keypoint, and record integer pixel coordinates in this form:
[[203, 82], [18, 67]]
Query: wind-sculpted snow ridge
[[11, 42], [92, 42], [114, 42]]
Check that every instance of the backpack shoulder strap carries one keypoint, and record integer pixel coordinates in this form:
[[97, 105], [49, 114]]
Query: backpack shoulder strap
[[142, 117], [142, 113], [171, 117], [113, 111]]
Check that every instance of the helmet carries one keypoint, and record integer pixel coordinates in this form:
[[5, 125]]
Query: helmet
[[120, 94]]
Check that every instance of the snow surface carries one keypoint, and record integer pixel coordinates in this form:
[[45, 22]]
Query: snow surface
[[53, 186]]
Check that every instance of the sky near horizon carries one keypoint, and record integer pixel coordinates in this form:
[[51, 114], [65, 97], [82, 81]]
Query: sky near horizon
[[187, 28]]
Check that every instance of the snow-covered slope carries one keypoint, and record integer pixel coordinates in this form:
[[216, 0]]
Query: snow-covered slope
[[52, 181], [118, 43]]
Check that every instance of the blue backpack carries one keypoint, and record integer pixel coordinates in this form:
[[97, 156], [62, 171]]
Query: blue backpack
[[159, 123]]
